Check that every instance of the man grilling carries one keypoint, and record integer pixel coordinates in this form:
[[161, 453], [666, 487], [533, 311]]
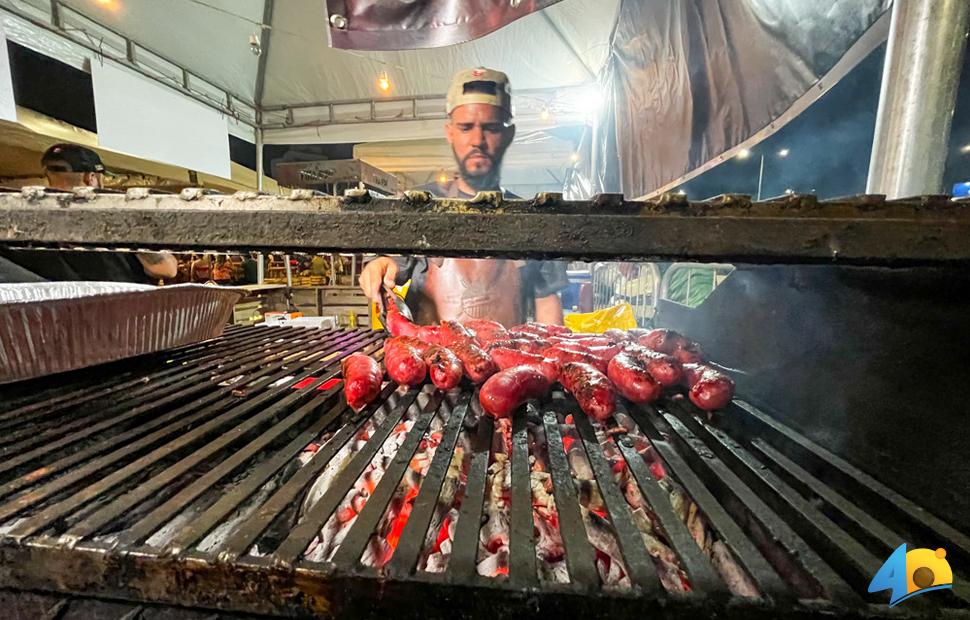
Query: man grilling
[[479, 130]]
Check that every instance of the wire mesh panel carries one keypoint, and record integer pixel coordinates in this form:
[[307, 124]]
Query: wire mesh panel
[[637, 284]]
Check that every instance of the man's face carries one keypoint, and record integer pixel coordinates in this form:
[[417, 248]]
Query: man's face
[[479, 135], [58, 177]]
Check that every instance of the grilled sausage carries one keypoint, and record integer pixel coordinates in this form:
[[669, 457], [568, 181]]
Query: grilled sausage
[[403, 362], [690, 353], [563, 354], [663, 340], [509, 358], [444, 367], [709, 389], [507, 390], [619, 335], [521, 344], [430, 334], [453, 332], [585, 340], [592, 390], [362, 380], [485, 330], [631, 379], [477, 364], [664, 368]]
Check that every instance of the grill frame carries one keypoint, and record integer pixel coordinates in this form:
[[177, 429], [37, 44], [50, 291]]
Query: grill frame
[[700, 455]]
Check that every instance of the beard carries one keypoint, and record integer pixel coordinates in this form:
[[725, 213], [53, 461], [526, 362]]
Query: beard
[[481, 181]]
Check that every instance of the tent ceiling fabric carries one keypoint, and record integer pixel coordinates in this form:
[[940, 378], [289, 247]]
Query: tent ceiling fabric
[[302, 68], [550, 49], [210, 38]]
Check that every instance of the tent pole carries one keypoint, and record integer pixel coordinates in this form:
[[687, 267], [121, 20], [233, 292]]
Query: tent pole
[[927, 40], [259, 155]]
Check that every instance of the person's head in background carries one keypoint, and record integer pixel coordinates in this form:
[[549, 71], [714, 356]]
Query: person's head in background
[[67, 166], [479, 128]]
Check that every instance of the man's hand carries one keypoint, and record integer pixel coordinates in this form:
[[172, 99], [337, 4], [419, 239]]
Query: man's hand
[[377, 273], [159, 265]]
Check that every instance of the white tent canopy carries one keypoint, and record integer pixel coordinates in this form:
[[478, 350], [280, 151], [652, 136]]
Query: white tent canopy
[[303, 91]]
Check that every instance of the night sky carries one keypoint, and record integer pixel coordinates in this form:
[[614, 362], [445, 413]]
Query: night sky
[[829, 144]]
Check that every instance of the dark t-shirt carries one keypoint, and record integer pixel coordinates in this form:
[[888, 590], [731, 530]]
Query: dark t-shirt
[[70, 265], [539, 278]]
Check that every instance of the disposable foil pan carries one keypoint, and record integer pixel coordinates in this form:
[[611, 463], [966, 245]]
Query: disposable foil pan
[[51, 327]]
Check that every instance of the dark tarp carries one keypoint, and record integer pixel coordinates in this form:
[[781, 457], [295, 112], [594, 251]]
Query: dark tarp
[[692, 79], [409, 24]]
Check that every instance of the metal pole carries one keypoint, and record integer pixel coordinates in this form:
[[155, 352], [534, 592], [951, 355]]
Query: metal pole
[[259, 159], [289, 272], [260, 269], [761, 176], [927, 40]]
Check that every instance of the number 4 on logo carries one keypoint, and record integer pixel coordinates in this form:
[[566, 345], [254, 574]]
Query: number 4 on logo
[[892, 575]]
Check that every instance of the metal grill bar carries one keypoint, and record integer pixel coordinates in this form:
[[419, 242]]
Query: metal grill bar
[[698, 568], [897, 511], [250, 531], [638, 563], [854, 560], [93, 523], [405, 558], [579, 553], [98, 388], [522, 554], [197, 386], [464, 554], [352, 547], [815, 572], [176, 417], [46, 409], [300, 536], [44, 517]]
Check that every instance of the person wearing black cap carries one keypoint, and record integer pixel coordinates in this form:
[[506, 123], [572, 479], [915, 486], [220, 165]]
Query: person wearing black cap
[[67, 166]]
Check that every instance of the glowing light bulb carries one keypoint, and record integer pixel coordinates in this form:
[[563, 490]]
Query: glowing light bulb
[[743, 154], [384, 82], [544, 114], [574, 157], [783, 153], [442, 178]]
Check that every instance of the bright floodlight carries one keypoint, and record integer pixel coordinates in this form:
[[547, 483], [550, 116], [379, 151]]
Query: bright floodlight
[[783, 153], [743, 154], [965, 148], [588, 101]]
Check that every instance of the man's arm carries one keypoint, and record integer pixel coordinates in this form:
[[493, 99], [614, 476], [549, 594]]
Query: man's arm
[[158, 265], [549, 309]]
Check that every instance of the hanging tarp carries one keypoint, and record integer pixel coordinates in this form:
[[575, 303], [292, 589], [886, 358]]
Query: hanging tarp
[[693, 79], [404, 24]]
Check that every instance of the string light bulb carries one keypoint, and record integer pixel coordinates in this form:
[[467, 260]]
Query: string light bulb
[[384, 82], [544, 114], [574, 157], [442, 178]]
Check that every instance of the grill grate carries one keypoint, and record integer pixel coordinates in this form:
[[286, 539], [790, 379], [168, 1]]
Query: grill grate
[[210, 476]]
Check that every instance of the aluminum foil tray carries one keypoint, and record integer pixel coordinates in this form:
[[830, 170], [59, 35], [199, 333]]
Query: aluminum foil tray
[[53, 327]]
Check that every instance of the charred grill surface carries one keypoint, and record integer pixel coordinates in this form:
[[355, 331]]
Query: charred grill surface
[[790, 229], [230, 476]]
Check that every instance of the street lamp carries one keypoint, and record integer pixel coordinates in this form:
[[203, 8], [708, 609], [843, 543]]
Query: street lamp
[[745, 153]]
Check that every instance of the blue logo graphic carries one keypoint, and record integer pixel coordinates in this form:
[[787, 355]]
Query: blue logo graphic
[[908, 574]]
